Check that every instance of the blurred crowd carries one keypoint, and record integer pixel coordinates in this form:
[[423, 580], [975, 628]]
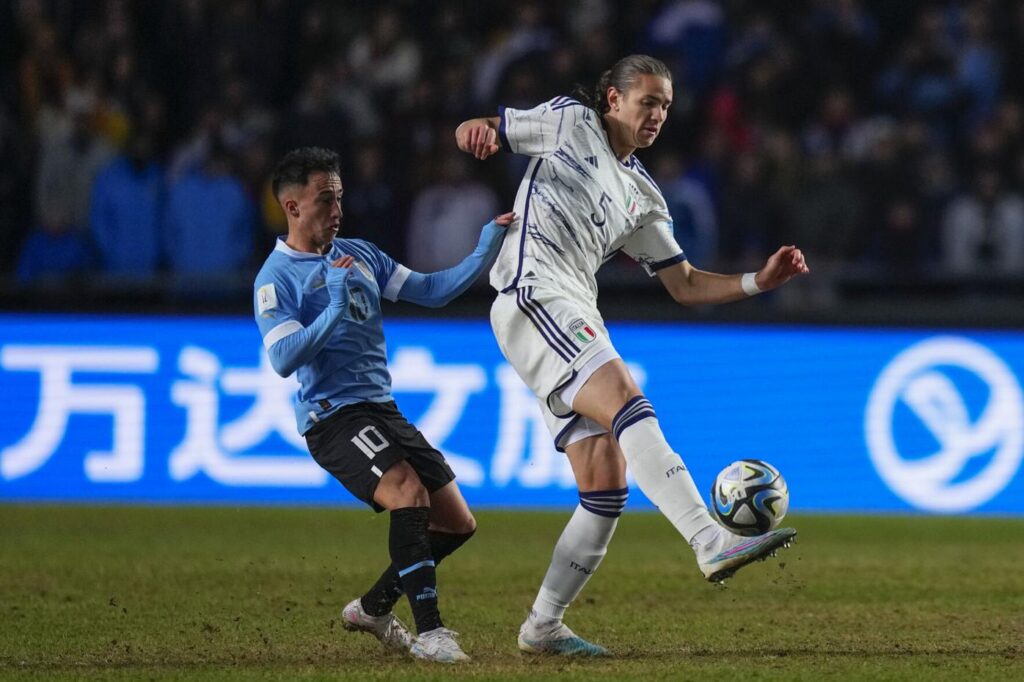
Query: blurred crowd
[[137, 136]]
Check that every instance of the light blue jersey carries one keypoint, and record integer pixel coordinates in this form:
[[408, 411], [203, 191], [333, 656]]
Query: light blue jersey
[[336, 346], [351, 367]]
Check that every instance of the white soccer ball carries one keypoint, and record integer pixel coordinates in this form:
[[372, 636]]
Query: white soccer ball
[[749, 497]]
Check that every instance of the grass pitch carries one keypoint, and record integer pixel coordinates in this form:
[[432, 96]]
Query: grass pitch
[[254, 593]]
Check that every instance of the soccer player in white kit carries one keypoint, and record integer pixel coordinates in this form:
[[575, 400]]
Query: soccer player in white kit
[[584, 198]]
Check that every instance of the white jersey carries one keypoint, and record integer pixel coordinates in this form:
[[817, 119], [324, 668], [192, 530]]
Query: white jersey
[[578, 204]]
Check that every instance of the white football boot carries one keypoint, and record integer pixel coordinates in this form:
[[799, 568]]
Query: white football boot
[[554, 638], [725, 553], [438, 645], [393, 635]]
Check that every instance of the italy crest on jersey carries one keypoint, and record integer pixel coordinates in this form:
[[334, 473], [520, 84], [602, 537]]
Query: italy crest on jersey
[[582, 331]]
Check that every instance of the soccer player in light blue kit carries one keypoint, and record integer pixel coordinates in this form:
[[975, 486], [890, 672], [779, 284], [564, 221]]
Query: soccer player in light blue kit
[[318, 307], [583, 199]]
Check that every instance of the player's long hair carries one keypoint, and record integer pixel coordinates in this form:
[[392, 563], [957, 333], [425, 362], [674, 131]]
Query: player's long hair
[[621, 76]]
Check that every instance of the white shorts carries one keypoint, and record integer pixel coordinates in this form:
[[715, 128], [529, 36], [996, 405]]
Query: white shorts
[[555, 344]]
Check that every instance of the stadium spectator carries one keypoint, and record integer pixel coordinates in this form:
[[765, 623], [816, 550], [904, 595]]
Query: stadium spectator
[[831, 73], [68, 166], [529, 35], [313, 117], [444, 214], [691, 36], [923, 80], [979, 66], [983, 230], [210, 221], [44, 72], [127, 207], [15, 188], [850, 36], [54, 254], [386, 57], [694, 223], [749, 214], [372, 201]]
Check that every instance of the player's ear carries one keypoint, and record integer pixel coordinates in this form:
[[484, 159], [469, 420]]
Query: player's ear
[[291, 207], [614, 98]]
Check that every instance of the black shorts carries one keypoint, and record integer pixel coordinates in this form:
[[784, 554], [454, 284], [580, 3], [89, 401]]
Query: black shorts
[[359, 442]]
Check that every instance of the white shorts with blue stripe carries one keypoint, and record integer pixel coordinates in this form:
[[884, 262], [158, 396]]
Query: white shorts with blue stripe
[[555, 344]]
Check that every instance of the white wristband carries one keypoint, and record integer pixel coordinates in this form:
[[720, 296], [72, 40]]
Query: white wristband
[[749, 284]]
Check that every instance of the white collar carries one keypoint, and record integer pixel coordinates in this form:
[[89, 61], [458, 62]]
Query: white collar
[[283, 247]]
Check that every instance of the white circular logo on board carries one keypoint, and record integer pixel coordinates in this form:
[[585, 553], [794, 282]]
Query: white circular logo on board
[[915, 378]]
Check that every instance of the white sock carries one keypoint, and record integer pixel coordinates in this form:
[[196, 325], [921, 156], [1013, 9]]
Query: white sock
[[658, 470], [578, 553]]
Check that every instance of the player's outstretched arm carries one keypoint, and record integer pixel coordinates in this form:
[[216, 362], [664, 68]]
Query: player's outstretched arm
[[437, 289], [301, 345], [478, 136], [690, 286]]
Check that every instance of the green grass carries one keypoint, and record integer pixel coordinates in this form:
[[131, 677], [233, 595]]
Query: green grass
[[223, 593]]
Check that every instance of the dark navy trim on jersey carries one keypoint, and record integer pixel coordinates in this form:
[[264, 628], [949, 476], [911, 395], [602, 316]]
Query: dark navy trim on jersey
[[565, 430], [636, 409], [611, 255], [555, 391], [558, 330], [502, 132], [679, 258], [639, 167], [523, 228], [548, 335], [563, 102]]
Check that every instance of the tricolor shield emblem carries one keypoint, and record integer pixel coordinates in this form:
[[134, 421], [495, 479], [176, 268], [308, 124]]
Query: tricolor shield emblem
[[582, 331]]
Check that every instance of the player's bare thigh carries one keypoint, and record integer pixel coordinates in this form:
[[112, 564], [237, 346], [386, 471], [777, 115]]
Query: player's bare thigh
[[597, 463], [400, 487], [605, 392]]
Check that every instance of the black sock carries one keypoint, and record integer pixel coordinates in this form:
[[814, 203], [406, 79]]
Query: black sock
[[410, 552], [386, 592]]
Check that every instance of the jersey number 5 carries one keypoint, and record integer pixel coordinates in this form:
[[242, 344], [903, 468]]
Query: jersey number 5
[[603, 205], [370, 441]]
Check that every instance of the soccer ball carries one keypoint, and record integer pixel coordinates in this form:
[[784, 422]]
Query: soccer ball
[[749, 497]]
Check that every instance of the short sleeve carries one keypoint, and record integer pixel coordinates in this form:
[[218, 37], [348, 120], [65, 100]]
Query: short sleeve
[[276, 306], [541, 130], [654, 245]]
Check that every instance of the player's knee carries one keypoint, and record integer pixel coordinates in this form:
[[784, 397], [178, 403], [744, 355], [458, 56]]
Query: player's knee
[[462, 523], [413, 494], [633, 410], [466, 525]]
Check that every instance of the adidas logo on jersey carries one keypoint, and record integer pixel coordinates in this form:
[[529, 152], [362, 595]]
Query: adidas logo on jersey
[[592, 160]]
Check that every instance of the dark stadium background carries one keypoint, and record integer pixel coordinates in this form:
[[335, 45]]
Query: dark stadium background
[[853, 128]]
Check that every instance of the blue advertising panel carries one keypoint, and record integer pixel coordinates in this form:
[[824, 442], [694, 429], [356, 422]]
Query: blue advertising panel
[[189, 410]]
